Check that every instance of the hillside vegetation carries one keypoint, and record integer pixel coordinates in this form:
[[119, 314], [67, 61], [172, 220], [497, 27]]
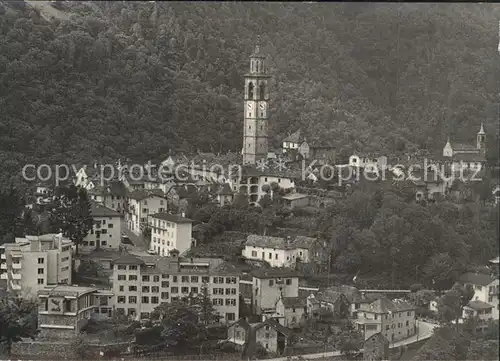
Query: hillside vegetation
[[126, 79]]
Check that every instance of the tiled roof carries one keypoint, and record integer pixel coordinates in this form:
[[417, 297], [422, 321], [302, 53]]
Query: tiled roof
[[143, 194], [476, 279], [280, 243], [275, 272], [479, 305], [175, 218], [469, 157], [129, 259], [98, 210], [384, 305], [294, 302], [294, 138], [461, 147]]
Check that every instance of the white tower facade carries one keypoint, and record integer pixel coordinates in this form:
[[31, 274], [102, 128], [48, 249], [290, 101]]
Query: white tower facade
[[256, 112]]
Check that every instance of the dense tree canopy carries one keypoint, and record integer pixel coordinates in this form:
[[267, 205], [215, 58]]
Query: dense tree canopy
[[374, 231], [135, 79]]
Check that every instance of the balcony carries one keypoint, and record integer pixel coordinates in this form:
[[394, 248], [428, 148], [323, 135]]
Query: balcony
[[15, 276], [3, 276], [3, 266], [16, 255], [2, 256], [17, 265], [15, 286], [254, 189]]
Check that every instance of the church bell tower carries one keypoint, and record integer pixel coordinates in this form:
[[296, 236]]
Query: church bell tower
[[256, 112], [481, 140]]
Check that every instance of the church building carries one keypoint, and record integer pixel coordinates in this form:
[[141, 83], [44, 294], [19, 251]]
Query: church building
[[465, 155]]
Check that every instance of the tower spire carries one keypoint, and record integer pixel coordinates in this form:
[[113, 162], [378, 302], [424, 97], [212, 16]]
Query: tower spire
[[481, 131], [257, 45]]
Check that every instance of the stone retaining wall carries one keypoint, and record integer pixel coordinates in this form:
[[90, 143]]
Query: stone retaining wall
[[53, 349]]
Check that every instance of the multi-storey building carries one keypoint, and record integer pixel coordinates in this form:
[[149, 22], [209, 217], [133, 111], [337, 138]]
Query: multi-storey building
[[169, 232], [140, 205], [277, 251], [252, 182], [394, 319], [269, 285], [106, 230], [32, 263], [485, 290], [141, 284]]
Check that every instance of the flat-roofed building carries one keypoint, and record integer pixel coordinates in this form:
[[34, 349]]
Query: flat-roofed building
[[30, 264]]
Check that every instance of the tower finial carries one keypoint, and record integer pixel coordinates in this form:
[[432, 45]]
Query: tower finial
[[257, 44], [481, 131]]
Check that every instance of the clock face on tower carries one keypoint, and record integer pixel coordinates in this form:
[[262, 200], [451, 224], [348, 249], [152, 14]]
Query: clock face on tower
[[249, 106], [262, 106]]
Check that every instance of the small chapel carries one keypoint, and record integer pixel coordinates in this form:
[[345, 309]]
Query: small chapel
[[466, 152]]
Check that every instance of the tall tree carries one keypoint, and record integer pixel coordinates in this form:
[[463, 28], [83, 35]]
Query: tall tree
[[71, 214], [11, 207], [18, 319], [452, 303]]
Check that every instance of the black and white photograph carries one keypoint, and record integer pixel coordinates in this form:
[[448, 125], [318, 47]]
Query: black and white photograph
[[226, 181]]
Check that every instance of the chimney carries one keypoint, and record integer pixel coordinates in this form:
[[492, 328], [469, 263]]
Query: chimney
[[183, 214]]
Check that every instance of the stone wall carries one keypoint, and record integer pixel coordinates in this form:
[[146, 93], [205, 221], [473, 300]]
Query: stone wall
[[53, 349]]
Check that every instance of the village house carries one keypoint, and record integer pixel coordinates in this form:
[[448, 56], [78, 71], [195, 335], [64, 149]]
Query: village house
[[277, 251], [273, 336], [290, 311], [251, 182], [465, 156], [367, 160], [295, 200], [334, 303], [394, 319], [178, 196], [292, 142], [140, 205], [485, 290], [221, 194], [169, 232], [35, 262], [87, 177], [112, 195], [140, 284], [376, 348], [106, 230], [269, 285]]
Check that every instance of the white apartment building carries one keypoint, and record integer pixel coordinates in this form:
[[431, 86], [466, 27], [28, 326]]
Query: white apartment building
[[169, 232], [35, 262], [270, 285], [141, 284], [141, 204], [485, 290], [394, 319], [106, 231], [277, 251]]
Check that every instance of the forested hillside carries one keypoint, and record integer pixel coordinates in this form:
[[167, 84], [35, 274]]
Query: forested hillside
[[125, 79]]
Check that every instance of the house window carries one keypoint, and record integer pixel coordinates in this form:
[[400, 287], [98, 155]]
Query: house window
[[132, 268], [122, 267], [132, 299], [254, 253], [132, 288], [288, 281], [121, 299], [40, 281], [132, 278], [40, 271], [145, 278], [271, 282], [40, 261], [121, 288], [154, 300], [122, 277], [145, 299]]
